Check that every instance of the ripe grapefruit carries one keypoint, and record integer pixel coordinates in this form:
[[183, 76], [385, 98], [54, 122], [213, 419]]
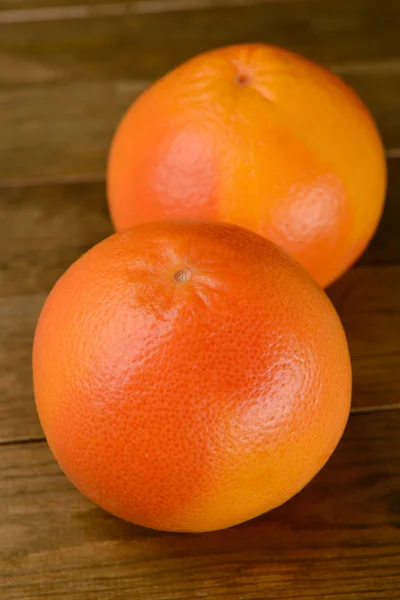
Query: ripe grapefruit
[[190, 376], [260, 137]]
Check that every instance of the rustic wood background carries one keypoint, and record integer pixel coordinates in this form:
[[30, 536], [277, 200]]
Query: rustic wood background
[[68, 70]]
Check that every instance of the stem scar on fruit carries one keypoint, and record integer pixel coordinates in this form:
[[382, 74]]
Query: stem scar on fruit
[[182, 275], [242, 78]]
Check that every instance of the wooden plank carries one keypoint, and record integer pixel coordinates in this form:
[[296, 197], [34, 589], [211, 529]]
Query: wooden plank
[[376, 84], [45, 228], [25, 9], [339, 538], [96, 71], [18, 418], [65, 129], [28, 5], [51, 131], [32, 10], [143, 46], [368, 302], [385, 245]]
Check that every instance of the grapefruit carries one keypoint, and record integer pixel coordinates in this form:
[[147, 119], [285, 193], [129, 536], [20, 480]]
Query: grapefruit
[[190, 376], [260, 137]]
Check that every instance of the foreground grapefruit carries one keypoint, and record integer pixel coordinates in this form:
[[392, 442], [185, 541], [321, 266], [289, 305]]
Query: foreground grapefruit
[[261, 137], [189, 377]]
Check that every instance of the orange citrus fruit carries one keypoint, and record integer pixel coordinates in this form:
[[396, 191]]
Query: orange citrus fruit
[[190, 376], [260, 137]]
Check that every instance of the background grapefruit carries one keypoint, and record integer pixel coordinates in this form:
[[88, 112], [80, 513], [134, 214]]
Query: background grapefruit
[[261, 137]]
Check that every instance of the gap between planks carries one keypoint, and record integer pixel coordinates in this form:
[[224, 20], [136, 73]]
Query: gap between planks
[[354, 411], [119, 9], [22, 441]]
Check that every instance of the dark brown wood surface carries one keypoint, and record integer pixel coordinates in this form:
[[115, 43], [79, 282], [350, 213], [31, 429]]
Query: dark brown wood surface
[[68, 70], [64, 82], [338, 538]]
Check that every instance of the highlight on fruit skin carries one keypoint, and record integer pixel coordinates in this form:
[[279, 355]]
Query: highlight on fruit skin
[[257, 136], [190, 376]]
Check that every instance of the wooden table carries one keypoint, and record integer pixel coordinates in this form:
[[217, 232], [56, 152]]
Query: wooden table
[[67, 72]]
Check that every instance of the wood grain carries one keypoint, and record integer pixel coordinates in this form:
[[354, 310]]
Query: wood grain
[[18, 418], [144, 46], [46, 227], [368, 302], [385, 245], [133, 6], [54, 131], [68, 70], [27, 5], [43, 230], [65, 85], [338, 539]]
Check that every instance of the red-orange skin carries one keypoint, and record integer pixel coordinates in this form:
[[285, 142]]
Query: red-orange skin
[[197, 404], [261, 137]]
